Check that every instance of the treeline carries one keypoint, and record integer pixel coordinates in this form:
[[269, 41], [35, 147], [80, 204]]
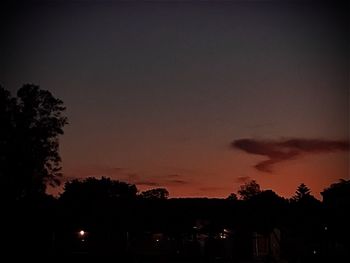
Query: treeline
[[115, 215]]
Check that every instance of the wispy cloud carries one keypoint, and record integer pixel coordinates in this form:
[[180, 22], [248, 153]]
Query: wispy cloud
[[141, 179], [243, 179], [287, 149], [132, 176], [174, 175], [147, 183], [92, 171], [211, 188], [175, 181]]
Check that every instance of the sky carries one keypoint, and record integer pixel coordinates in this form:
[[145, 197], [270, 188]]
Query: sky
[[197, 97]]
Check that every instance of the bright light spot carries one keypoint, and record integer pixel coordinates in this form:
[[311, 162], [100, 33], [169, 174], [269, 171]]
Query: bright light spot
[[315, 252], [157, 240], [325, 228], [223, 236], [82, 232]]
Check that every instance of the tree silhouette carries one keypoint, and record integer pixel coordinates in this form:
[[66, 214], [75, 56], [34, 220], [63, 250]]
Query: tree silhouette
[[302, 192], [249, 189], [268, 207], [232, 197], [338, 194], [93, 189], [155, 194], [7, 131], [30, 125], [336, 202]]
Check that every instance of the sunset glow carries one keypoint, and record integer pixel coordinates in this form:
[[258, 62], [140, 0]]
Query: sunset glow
[[196, 98]]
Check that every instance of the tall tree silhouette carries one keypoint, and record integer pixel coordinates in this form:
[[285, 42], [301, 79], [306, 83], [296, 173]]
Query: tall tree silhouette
[[302, 192], [30, 125], [249, 190]]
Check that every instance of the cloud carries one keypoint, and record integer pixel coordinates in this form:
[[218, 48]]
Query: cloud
[[286, 149], [243, 179], [105, 170], [132, 176], [94, 171], [147, 183], [176, 181], [173, 175], [211, 188]]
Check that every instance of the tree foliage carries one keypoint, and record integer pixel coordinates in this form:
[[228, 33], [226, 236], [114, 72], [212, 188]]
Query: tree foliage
[[337, 194], [155, 194], [302, 192], [249, 190], [93, 189], [31, 123], [232, 197]]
